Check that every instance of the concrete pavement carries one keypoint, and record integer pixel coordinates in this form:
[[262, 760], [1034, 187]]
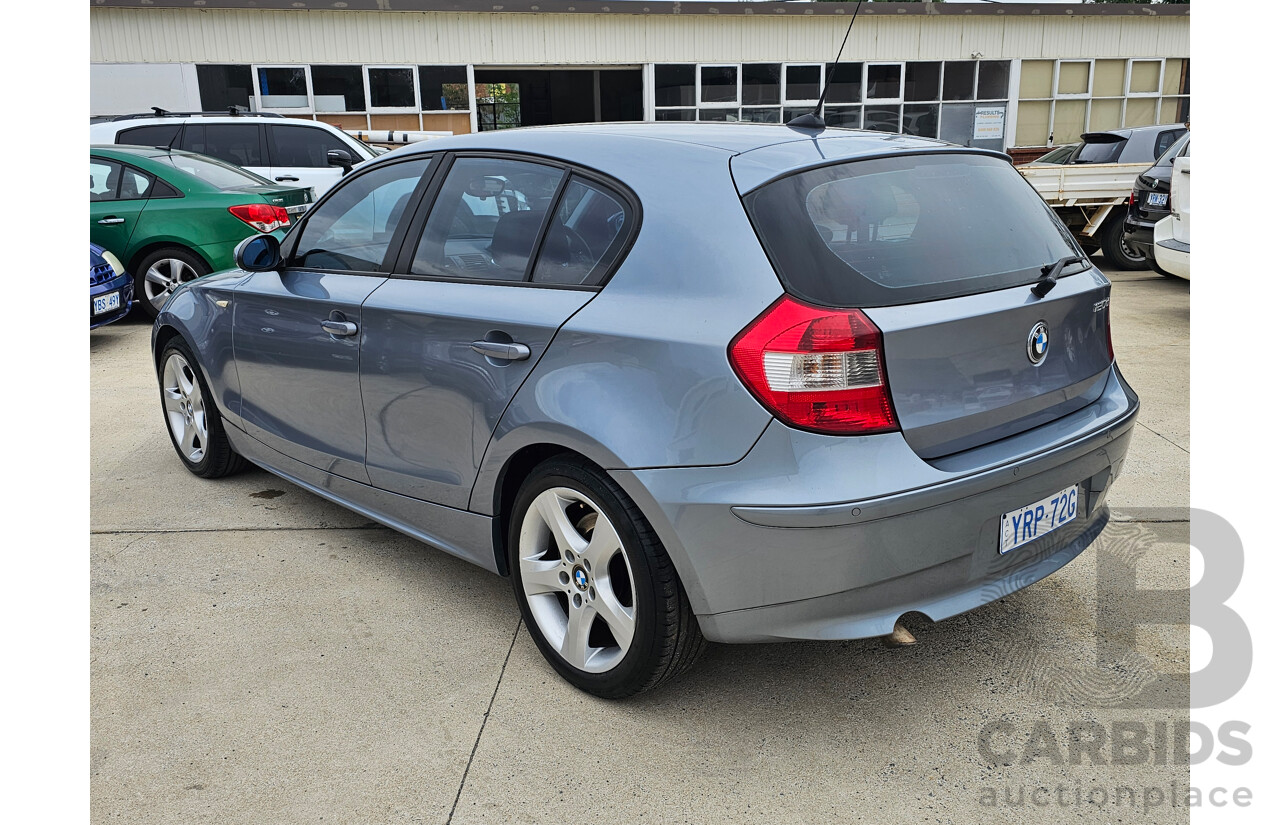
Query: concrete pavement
[[262, 656]]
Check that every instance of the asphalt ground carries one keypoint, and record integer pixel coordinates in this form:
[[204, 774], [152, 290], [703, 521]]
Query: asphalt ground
[[260, 655]]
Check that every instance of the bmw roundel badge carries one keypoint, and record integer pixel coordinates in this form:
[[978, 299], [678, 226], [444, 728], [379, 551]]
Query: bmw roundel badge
[[1038, 343]]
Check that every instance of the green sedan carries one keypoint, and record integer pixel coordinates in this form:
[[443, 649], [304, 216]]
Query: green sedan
[[173, 216]]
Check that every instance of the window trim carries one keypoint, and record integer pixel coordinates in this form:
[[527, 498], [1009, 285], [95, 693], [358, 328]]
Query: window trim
[[902, 84], [414, 109], [787, 100], [1085, 95], [414, 228], [737, 99], [1128, 79], [309, 109], [311, 87]]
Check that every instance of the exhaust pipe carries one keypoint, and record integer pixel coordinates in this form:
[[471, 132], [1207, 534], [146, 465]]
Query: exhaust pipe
[[900, 637]]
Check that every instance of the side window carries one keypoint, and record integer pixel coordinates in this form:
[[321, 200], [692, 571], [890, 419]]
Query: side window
[[353, 228], [486, 220], [161, 135], [584, 238], [134, 185], [238, 143], [303, 146], [104, 179], [1164, 140]]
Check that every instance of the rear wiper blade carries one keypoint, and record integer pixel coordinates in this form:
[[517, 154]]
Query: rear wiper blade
[[1050, 272]]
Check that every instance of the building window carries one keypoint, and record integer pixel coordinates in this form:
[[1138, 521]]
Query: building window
[[222, 87], [497, 106], [1058, 101], [392, 88], [284, 89], [338, 89], [900, 97], [444, 88]]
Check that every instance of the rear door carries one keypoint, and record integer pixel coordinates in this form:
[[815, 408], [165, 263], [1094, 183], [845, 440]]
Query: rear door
[[117, 196], [940, 251], [237, 143], [298, 331], [509, 250]]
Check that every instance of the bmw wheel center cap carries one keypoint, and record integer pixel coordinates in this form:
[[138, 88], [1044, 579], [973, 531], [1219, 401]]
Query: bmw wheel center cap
[[580, 578], [1038, 343]]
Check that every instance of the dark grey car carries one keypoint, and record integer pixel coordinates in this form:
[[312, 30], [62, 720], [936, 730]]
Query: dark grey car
[[680, 382]]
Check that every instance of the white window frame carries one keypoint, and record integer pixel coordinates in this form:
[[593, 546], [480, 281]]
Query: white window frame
[[1128, 78], [867, 100], [737, 100], [391, 110], [309, 109], [471, 87], [787, 100], [1057, 71]]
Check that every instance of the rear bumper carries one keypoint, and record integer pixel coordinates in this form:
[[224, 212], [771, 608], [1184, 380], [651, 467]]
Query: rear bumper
[[1138, 235], [762, 562], [1172, 255]]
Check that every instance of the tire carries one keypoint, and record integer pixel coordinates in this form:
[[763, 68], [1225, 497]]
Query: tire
[[1114, 248], [192, 417], [161, 272], [575, 599]]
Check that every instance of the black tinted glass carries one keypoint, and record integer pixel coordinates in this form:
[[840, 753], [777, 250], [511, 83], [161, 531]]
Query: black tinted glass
[[338, 88], [804, 82], [719, 84], [443, 88], [391, 89], [236, 143], [993, 80], [761, 83], [673, 85], [160, 135], [1103, 152], [584, 237], [958, 79], [304, 146], [902, 230], [352, 230], [222, 87], [845, 85], [922, 81]]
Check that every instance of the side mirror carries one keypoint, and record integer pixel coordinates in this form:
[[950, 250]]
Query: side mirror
[[260, 253], [340, 157]]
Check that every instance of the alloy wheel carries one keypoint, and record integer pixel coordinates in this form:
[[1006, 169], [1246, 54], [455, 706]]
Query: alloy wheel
[[163, 277], [184, 408], [577, 580]]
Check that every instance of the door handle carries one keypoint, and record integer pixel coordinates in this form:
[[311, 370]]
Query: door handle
[[339, 328], [286, 177], [111, 220], [504, 352]]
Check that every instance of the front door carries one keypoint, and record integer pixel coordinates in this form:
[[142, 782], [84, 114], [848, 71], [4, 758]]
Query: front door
[[298, 332], [448, 345]]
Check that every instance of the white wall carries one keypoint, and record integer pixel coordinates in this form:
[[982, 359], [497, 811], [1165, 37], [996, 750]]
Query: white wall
[[122, 88]]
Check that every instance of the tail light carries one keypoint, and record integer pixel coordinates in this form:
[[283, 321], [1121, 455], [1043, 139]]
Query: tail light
[[261, 216], [1133, 196], [817, 369]]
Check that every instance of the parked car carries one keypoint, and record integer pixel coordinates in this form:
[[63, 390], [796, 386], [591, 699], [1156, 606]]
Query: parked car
[[1141, 144], [737, 401], [286, 150], [1055, 156], [110, 288], [1090, 191], [1149, 202], [173, 216], [1172, 233]]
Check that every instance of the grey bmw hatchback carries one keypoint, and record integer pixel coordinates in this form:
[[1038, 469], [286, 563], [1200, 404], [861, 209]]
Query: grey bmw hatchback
[[679, 382]]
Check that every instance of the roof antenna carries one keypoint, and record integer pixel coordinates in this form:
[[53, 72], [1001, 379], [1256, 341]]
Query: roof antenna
[[814, 119]]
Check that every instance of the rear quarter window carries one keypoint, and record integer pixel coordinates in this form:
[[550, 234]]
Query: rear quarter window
[[890, 231]]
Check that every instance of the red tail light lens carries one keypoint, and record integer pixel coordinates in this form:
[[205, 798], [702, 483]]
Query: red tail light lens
[[817, 369], [261, 216]]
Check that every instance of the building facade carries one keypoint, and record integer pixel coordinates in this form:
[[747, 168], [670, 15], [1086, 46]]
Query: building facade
[[1018, 77]]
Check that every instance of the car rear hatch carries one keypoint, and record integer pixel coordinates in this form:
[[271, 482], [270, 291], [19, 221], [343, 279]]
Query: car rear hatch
[[940, 251], [1100, 147]]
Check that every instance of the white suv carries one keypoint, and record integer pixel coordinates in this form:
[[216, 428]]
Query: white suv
[[277, 148]]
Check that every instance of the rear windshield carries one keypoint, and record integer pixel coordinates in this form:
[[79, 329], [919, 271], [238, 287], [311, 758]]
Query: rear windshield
[[906, 229], [1107, 151], [215, 172]]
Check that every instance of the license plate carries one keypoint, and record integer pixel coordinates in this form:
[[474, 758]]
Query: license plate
[[1026, 524], [106, 303], [1158, 199]]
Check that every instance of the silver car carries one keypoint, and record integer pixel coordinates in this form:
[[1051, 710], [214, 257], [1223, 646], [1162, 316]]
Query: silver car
[[679, 382]]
